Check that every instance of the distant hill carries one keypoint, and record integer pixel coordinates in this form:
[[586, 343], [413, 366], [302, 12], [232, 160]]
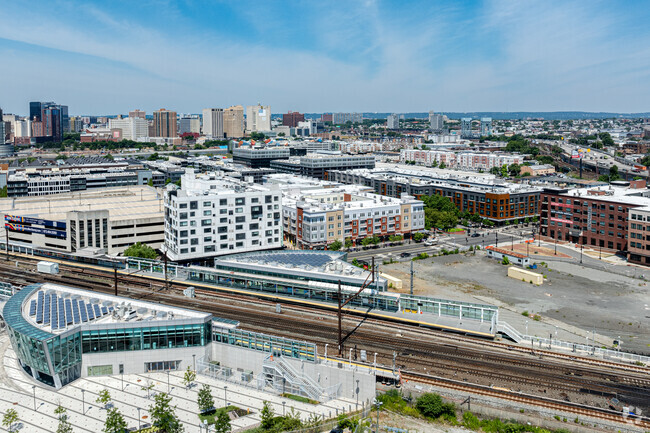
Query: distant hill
[[500, 115]]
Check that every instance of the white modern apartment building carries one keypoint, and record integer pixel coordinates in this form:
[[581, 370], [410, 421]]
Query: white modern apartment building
[[258, 118], [212, 215], [461, 160], [213, 122], [315, 218], [392, 121], [436, 122], [132, 127]]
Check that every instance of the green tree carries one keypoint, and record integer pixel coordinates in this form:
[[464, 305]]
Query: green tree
[[348, 243], [431, 405], [442, 164], [606, 138], [514, 169], [103, 398], [154, 156], [335, 246], [504, 170], [281, 134], [9, 419], [495, 171], [150, 182], [439, 212], [257, 136], [205, 400], [163, 416], [366, 241], [222, 422], [64, 425], [505, 260], [189, 376], [267, 414], [613, 172], [109, 157], [418, 237], [140, 250], [114, 422], [3, 191]]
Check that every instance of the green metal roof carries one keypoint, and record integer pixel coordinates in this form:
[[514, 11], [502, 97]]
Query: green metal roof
[[13, 314]]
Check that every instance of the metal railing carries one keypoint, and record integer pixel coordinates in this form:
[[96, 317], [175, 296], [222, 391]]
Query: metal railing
[[546, 343]]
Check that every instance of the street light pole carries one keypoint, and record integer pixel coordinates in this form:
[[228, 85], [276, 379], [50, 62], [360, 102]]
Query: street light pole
[[34, 389], [168, 389], [83, 401], [139, 418], [225, 395]]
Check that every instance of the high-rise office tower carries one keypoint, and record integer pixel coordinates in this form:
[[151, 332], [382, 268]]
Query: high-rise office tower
[[138, 113], [164, 123], [435, 121], [486, 126], [466, 127], [233, 121], [292, 118], [189, 124], [2, 129], [258, 118], [392, 121], [213, 123], [54, 119]]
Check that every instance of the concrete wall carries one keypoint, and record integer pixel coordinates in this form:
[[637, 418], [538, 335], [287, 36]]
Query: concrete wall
[[325, 375], [523, 274]]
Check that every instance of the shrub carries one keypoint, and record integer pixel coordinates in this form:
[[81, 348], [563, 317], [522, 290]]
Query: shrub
[[471, 421], [431, 406], [525, 313], [505, 261]]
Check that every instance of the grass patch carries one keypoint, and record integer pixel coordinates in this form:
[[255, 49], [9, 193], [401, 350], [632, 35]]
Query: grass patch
[[300, 398], [211, 416]]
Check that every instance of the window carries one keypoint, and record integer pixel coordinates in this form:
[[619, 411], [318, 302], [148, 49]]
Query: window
[[223, 202], [239, 201], [240, 219]]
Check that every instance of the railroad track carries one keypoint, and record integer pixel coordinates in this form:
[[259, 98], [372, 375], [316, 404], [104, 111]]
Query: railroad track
[[475, 362]]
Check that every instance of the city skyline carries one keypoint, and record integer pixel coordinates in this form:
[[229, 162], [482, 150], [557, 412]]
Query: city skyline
[[370, 56]]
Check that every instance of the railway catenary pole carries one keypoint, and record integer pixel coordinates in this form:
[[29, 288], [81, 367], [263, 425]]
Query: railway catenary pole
[[115, 277], [166, 278], [341, 304], [7, 242]]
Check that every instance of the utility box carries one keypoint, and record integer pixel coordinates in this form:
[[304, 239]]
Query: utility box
[[47, 267]]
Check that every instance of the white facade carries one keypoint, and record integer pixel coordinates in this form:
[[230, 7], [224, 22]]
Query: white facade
[[392, 121], [189, 125], [258, 118], [212, 215], [462, 160], [132, 127], [213, 122]]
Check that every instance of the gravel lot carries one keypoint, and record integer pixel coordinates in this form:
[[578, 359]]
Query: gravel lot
[[585, 298]]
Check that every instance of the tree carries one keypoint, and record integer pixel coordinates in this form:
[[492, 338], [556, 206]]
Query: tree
[[205, 400], [505, 260], [257, 136], [267, 414], [64, 425], [9, 419], [418, 237], [335, 246], [442, 164], [150, 182], [114, 422], [222, 422], [514, 169], [348, 243], [431, 406], [495, 171], [281, 134], [613, 172], [189, 376], [163, 416], [3, 191], [104, 398], [140, 250], [439, 212], [504, 170], [109, 157]]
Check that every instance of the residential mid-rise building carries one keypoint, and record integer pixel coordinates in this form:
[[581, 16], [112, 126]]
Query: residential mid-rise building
[[486, 126], [392, 121], [76, 124], [213, 215], [292, 118], [639, 235], [258, 118], [233, 122], [164, 123], [132, 127], [597, 217], [476, 161], [492, 199], [189, 125], [315, 218], [213, 123], [436, 122]]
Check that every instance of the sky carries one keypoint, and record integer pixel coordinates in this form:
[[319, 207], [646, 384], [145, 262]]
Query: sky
[[112, 56]]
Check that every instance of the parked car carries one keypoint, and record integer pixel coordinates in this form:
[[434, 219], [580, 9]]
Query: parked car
[[405, 254]]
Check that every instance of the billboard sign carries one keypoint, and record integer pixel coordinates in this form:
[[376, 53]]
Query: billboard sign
[[29, 229], [36, 221]]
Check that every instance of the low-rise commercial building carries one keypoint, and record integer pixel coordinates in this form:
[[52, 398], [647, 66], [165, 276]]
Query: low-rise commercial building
[[107, 221], [538, 170], [212, 215], [318, 217], [319, 165], [490, 198], [259, 157]]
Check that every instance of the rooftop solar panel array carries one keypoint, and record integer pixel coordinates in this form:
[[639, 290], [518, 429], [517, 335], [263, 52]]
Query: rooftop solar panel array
[[57, 312]]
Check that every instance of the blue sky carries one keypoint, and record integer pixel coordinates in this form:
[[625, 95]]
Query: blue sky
[[315, 56]]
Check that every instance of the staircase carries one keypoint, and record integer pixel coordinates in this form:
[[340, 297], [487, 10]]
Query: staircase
[[282, 377], [509, 331]]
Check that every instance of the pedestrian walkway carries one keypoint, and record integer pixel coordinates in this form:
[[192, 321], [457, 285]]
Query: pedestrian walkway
[[35, 404]]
